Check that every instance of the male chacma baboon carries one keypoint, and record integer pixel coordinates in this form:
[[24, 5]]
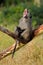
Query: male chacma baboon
[[24, 28]]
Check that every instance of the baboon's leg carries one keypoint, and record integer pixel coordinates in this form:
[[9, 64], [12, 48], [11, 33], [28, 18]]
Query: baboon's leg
[[17, 42]]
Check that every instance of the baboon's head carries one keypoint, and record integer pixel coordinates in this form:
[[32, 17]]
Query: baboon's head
[[27, 14]]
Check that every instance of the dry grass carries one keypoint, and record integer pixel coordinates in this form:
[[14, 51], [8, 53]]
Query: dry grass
[[30, 54]]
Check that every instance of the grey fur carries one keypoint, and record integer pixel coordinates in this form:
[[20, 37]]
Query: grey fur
[[26, 23]]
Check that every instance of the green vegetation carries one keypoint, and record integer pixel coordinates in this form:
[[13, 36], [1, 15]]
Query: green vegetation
[[10, 15]]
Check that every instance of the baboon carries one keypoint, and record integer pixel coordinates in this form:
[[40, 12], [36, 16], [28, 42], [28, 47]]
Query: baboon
[[24, 28]]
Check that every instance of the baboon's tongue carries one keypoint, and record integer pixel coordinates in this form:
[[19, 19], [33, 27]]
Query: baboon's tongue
[[25, 13]]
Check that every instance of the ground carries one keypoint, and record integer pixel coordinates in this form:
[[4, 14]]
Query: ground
[[29, 54]]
